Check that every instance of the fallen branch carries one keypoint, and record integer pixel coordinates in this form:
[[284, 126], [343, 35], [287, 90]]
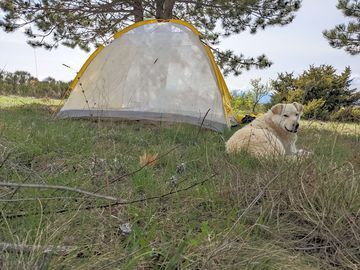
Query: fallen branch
[[104, 206], [39, 186], [21, 248], [46, 252], [39, 199], [166, 194]]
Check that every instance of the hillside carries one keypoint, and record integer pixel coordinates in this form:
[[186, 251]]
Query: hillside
[[193, 208]]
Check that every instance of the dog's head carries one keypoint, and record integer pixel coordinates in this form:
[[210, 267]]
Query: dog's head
[[287, 116]]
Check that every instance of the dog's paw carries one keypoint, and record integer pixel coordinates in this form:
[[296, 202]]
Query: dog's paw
[[304, 153]]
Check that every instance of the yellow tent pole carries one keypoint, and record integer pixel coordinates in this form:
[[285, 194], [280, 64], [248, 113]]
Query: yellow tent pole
[[226, 97]]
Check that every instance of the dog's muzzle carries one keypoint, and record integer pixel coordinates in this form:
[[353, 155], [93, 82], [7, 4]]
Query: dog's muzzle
[[294, 130]]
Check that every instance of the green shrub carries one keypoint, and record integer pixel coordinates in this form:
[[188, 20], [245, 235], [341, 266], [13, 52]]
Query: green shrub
[[349, 114], [295, 96], [314, 109], [322, 89]]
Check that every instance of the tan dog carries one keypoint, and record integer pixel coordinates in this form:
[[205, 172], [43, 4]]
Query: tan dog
[[273, 133]]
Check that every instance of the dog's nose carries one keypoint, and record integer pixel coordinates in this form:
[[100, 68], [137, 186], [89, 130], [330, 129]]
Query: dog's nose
[[296, 126]]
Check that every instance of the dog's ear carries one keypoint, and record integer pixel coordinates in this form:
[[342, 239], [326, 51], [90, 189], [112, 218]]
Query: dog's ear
[[298, 106], [277, 109]]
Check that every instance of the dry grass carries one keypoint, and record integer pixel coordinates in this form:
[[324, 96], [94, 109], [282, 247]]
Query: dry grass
[[333, 127]]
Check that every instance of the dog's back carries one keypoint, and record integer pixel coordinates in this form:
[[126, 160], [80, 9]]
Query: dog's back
[[256, 138]]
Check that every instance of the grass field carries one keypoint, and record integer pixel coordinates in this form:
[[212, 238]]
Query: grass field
[[221, 212], [15, 101]]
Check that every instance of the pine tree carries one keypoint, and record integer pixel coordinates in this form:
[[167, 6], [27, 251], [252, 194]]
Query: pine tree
[[49, 23], [318, 88], [346, 36], [282, 85]]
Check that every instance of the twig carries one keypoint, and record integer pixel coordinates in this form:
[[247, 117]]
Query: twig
[[166, 194], [20, 248], [104, 206], [39, 199], [17, 189], [39, 186], [202, 122]]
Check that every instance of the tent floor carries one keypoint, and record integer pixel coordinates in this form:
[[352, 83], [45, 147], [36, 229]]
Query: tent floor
[[147, 116]]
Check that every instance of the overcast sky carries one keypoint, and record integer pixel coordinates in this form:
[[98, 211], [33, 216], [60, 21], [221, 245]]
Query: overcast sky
[[292, 48]]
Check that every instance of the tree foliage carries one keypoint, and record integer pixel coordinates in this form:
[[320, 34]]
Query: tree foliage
[[257, 92], [346, 36], [49, 23], [320, 89], [249, 101], [22, 83], [241, 102]]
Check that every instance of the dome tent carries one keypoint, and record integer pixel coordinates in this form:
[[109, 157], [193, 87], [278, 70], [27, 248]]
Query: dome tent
[[152, 70]]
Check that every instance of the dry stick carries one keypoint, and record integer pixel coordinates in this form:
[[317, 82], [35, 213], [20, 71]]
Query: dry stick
[[17, 189], [202, 122], [167, 194], [39, 186], [39, 199], [47, 252], [119, 202], [20, 248]]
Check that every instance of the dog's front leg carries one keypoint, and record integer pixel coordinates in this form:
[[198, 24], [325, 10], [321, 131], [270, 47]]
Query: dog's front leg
[[290, 146], [302, 152], [293, 150]]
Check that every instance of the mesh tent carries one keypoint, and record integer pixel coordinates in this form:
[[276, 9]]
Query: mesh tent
[[152, 70]]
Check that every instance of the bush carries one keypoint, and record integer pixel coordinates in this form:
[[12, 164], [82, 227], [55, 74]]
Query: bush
[[314, 109], [349, 114], [295, 96], [321, 89], [21, 83]]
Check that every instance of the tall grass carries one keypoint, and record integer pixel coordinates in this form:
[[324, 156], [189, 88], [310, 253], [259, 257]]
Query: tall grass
[[254, 214]]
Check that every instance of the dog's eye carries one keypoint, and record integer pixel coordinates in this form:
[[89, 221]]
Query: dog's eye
[[297, 114], [285, 115]]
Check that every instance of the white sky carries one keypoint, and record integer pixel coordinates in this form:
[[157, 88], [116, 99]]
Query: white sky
[[292, 48]]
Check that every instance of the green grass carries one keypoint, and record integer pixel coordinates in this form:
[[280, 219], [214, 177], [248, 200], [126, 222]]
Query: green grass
[[15, 101], [254, 214]]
